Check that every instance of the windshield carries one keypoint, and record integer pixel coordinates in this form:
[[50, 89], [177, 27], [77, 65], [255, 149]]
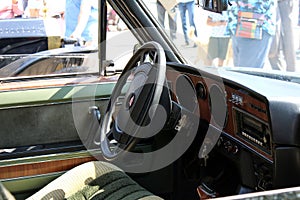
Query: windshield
[[259, 37], [248, 36]]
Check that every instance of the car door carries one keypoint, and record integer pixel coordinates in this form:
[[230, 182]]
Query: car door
[[52, 97]]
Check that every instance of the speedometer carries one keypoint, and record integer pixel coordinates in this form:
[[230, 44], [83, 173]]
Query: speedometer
[[186, 93]]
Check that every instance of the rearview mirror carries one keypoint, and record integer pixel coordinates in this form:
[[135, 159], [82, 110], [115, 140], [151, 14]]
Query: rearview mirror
[[214, 5]]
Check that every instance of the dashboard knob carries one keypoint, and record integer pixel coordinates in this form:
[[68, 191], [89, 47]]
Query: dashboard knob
[[230, 148]]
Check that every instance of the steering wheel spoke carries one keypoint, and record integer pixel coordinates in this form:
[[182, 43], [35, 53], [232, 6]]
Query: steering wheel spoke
[[117, 105], [109, 135]]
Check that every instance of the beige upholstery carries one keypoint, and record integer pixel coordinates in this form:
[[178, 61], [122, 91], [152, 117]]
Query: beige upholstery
[[85, 182], [5, 194]]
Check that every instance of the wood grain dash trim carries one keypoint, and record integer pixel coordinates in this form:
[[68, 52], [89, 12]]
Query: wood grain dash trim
[[38, 168]]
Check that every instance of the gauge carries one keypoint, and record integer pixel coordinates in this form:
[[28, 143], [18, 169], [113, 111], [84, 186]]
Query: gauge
[[218, 105], [186, 93]]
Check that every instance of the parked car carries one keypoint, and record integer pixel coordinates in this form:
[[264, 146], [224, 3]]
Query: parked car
[[143, 116]]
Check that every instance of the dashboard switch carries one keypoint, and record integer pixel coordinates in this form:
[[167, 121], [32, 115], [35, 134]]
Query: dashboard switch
[[236, 99], [230, 148]]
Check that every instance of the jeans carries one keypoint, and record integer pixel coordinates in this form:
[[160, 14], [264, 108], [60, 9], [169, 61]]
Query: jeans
[[161, 19], [183, 8], [251, 52]]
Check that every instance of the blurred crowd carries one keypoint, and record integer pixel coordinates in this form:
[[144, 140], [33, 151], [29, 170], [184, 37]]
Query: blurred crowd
[[78, 20], [30, 8], [252, 33], [274, 42]]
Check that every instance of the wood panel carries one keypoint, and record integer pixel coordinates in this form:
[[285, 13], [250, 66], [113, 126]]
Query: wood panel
[[250, 104], [38, 168]]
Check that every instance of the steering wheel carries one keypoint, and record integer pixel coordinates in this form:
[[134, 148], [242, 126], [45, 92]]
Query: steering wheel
[[135, 102]]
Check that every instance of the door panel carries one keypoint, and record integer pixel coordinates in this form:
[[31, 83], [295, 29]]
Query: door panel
[[47, 130], [44, 124]]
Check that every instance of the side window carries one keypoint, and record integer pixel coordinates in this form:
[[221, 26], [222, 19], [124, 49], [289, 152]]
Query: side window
[[47, 37], [120, 41]]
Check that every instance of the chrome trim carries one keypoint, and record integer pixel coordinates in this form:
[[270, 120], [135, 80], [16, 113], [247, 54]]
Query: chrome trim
[[53, 103], [53, 174]]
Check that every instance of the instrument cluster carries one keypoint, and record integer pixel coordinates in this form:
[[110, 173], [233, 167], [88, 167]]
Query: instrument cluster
[[237, 112]]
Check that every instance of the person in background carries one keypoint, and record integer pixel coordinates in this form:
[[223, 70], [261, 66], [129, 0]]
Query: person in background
[[54, 8], [34, 8], [298, 24], [10, 9], [112, 19], [54, 16], [25, 4], [187, 6], [284, 38], [161, 11], [218, 40], [249, 52], [81, 18]]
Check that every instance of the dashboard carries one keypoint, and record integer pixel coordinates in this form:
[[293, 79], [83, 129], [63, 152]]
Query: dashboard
[[258, 124]]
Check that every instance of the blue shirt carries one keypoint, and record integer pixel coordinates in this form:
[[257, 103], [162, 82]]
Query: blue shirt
[[266, 7], [71, 18]]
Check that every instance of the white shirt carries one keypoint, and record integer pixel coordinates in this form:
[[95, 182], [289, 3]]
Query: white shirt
[[218, 31]]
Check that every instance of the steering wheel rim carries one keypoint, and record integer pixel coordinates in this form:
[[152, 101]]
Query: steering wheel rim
[[126, 114]]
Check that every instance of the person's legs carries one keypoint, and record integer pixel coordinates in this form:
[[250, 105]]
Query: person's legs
[[298, 25], [90, 34], [251, 52], [289, 51], [182, 10], [212, 49], [191, 9], [222, 49], [161, 14], [236, 50], [172, 25], [25, 3], [274, 54]]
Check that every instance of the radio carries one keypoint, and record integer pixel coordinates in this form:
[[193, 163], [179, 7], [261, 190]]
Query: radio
[[252, 130]]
